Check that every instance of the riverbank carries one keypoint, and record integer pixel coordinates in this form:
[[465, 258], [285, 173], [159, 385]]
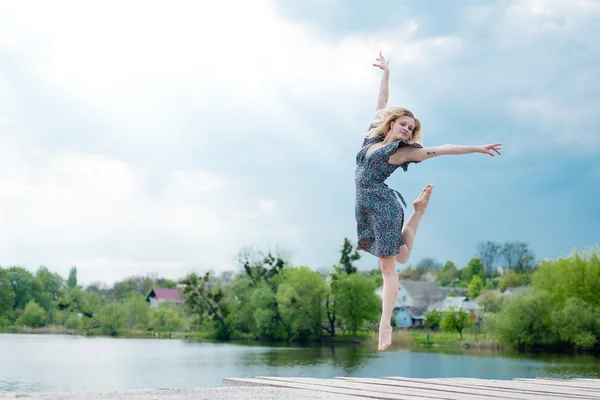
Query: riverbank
[[401, 338]]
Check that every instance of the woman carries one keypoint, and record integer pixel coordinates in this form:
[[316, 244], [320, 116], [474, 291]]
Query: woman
[[394, 140]]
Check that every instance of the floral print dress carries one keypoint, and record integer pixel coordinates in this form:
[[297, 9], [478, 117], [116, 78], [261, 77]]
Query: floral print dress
[[379, 214]]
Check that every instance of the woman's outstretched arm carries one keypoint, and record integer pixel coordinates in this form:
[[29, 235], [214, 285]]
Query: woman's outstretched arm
[[384, 85], [412, 154]]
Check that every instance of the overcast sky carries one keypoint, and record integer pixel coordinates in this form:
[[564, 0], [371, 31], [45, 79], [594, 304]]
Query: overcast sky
[[164, 137]]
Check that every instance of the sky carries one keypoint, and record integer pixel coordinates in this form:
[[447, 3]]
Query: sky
[[146, 137]]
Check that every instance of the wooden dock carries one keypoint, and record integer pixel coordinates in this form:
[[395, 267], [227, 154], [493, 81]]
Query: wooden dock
[[398, 388]]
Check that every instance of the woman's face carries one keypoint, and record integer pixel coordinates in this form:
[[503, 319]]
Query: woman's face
[[402, 128]]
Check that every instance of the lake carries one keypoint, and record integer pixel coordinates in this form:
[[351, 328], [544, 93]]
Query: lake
[[51, 363]]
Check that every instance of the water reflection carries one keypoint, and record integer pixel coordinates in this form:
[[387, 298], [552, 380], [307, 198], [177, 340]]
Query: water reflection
[[348, 358], [32, 363]]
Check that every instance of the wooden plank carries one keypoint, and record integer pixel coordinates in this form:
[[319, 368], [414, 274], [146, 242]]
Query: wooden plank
[[348, 392], [369, 387], [400, 388], [595, 382], [480, 391], [461, 391], [520, 387], [536, 386], [592, 386]]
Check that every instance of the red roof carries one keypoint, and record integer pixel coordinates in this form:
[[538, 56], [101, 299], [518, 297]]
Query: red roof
[[172, 294]]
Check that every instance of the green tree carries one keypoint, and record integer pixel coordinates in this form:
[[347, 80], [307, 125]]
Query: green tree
[[456, 320], [433, 319], [526, 321], [135, 311], [488, 253], [578, 323], [111, 315], [268, 324], [25, 286], [166, 318], [51, 284], [7, 294], [239, 293], [490, 302], [72, 281], [448, 274], [518, 256], [412, 273], [356, 301], [141, 285], [348, 257], [87, 304], [205, 297], [259, 267], [577, 276], [300, 299], [374, 275], [345, 266], [474, 267], [475, 287], [167, 284], [33, 316], [510, 279]]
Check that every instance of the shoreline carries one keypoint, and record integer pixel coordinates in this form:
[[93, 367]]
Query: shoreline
[[402, 339]]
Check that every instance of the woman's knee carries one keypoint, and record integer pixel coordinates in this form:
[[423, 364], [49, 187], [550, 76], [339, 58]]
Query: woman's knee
[[402, 258], [388, 265], [404, 255]]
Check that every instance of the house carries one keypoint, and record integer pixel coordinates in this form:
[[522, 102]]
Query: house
[[455, 303], [413, 299], [523, 290], [159, 296]]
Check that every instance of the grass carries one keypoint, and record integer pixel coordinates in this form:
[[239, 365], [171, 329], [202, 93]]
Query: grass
[[453, 339], [403, 338]]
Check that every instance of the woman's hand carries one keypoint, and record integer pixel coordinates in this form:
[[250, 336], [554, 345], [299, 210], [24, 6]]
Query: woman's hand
[[488, 148], [382, 63]]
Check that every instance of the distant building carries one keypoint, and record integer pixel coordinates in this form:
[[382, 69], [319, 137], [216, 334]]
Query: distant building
[[456, 303], [413, 299], [523, 290], [159, 296]]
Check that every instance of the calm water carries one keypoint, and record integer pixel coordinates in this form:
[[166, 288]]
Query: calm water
[[46, 363]]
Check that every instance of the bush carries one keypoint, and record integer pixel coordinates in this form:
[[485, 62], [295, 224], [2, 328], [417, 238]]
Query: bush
[[433, 319], [33, 315]]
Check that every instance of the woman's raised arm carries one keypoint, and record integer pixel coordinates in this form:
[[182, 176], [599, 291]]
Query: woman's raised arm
[[384, 86]]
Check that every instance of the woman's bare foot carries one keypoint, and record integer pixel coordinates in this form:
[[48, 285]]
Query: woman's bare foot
[[421, 203], [385, 337]]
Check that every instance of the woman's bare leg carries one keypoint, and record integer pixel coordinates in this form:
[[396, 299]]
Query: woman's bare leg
[[410, 228], [389, 296], [388, 268]]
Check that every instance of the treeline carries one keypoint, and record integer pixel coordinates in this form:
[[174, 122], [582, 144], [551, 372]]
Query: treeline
[[562, 310], [498, 266], [270, 299]]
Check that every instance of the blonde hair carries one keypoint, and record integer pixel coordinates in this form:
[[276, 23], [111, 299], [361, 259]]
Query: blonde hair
[[380, 126]]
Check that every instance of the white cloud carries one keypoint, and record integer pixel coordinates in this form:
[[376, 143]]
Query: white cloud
[[268, 206], [114, 121], [130, 133]]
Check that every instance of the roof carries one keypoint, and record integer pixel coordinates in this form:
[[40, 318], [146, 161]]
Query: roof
[[422, 293], [517, 290], [163, 294], [454, 302]]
